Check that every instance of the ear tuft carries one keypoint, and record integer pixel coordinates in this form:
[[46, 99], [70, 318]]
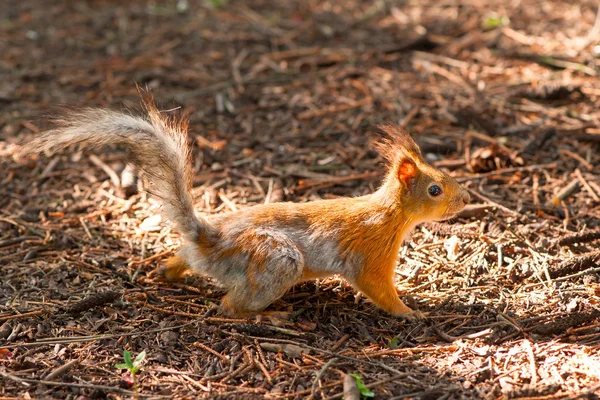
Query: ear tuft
[[395, 141], [407, 171]]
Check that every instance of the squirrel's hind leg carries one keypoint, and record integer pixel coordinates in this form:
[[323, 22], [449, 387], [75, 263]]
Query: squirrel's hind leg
[[187, 259], [262, 289], [173, 270], [275, 264]]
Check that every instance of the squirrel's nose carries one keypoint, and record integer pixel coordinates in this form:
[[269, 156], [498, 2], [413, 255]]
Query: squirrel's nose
[[466, 198]]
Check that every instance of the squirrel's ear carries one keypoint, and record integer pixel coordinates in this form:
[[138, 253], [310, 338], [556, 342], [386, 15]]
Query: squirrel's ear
[[407, 171]]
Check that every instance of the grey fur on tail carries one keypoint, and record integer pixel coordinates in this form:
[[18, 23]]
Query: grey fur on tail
[[157, 145]]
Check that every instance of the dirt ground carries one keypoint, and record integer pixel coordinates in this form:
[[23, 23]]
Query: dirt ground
[[281, 95]]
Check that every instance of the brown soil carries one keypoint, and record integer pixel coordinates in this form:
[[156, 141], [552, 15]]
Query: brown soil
[[280, 96]]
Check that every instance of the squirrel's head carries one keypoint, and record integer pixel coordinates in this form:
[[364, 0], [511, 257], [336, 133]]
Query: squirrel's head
[[422, 192]]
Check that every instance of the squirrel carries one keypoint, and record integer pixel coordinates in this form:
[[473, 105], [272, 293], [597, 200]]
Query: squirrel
[[259, 253]]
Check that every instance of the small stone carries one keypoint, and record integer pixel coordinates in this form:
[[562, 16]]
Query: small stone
[[162, 358], [169, 338], [151, 223]]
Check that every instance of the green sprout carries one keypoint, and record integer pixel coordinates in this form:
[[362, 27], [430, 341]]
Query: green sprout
[[133, 367], [216, 3], [364, 391], [494, 21], [393, 343]]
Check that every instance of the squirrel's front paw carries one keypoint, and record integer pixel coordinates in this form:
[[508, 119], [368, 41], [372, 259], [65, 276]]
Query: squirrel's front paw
[[413, 315]]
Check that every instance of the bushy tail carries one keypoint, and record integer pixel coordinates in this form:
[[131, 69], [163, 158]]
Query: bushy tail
[[157, 145]]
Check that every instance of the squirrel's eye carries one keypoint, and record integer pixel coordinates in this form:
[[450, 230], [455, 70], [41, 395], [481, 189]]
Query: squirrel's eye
[[434, 190]]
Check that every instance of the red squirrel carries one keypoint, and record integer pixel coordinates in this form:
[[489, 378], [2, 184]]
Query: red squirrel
[[259, 253]]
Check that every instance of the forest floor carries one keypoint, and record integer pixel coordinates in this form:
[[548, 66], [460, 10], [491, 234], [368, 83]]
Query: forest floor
[[281, 96]]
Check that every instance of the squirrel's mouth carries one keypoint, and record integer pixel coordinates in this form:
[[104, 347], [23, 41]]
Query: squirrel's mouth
[[447, 215], [452, 211]]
